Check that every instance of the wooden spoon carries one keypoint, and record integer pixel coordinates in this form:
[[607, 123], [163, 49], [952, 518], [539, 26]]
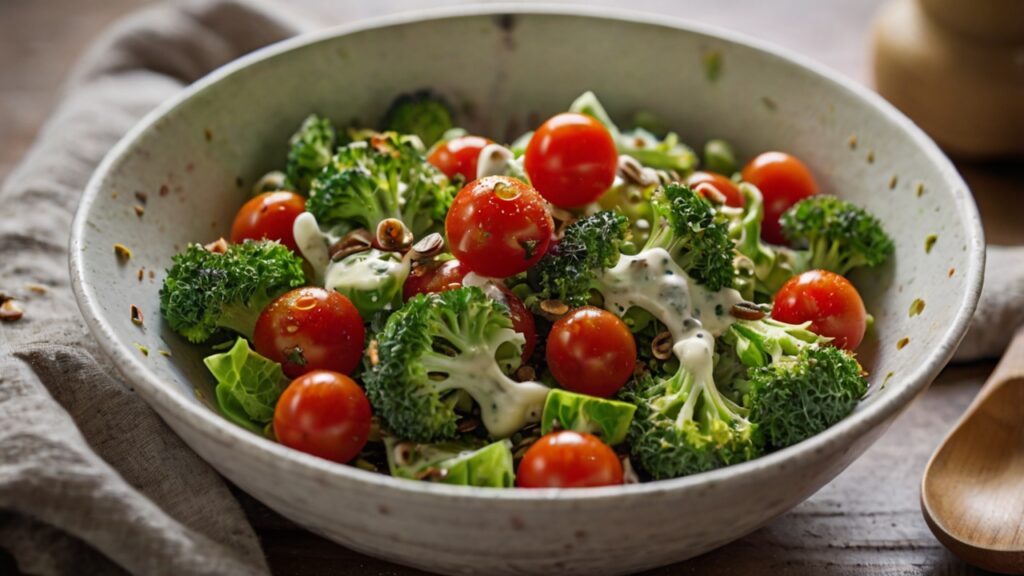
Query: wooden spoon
[[972, 494]]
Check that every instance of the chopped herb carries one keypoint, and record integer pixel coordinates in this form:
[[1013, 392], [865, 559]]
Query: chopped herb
[[143, 349], [929, 243], [902, 343]]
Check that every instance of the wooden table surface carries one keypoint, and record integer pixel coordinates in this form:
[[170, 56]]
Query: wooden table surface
[[867, 521]]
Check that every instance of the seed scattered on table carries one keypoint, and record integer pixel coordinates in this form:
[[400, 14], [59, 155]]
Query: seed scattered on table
[[902, 343], [9, 310], [139, 210], [929, 243]]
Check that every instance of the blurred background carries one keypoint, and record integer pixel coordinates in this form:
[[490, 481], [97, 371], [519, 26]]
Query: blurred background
[[955, 67]]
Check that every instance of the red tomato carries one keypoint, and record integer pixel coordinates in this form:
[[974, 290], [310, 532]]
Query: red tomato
[[828, 301], [569, 459], [700, 181], [433, 277], [459, 156], [591, 351], [783, 181], [269, 215], [309, 329], [498, 226], [571, 160], [325, 414]]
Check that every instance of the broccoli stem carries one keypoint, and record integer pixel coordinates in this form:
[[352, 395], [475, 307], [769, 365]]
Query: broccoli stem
[[505, 405]]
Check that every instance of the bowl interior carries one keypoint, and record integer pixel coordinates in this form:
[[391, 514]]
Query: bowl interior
[[197, 160]]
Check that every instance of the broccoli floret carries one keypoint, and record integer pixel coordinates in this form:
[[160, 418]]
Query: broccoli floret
[[693, 233], [568, 271], [800, 396], [832, 234], [205, 290], [684, 424], [835, 235], [422, 113], [367, 182], [311, 150], [438, 344], [796, 384]]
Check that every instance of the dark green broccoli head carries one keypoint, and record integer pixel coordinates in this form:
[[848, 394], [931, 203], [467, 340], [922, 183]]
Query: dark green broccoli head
[[799, 396], [684, 425], [837, 235], [422, 113], [388, 177], [589, 245], [692, 231], [205, 291], [674, 435], [438, 344], [311, 150]]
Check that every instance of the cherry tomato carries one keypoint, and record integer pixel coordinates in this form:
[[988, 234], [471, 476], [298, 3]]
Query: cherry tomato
[[828, 301], [269, 215], [459, 156], [591, 351], [310, 329], [700, 181], [498, 226], [568, 459], [433, 277], [325, 414], [571, 160], [783, 180]]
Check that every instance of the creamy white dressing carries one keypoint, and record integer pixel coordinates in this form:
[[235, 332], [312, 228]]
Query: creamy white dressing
[[654, 282], [490, 286], [521, 403], [494, 160], [313, 244], [366, 272]]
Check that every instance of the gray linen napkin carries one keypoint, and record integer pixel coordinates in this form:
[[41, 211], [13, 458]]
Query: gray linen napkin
[[91, 480]]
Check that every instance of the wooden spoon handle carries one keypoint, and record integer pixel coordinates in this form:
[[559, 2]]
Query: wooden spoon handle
[[1010, 367]]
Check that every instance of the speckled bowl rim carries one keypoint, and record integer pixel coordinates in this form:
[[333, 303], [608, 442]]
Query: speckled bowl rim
[[898, 395]]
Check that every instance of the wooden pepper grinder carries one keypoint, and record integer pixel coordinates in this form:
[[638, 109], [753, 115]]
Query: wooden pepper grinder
[[956, 68]]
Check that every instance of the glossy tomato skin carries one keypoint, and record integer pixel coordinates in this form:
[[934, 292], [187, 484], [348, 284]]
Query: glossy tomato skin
[[311, 328], [459, 156], [498, 226], [724, 186], [571, 160], [433, 277], [269, 215], [829, 301], [783, 181], [325, 414], [568, 459], [591, 351]]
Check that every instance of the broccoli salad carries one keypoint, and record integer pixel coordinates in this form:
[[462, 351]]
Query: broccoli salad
[[586, 305]]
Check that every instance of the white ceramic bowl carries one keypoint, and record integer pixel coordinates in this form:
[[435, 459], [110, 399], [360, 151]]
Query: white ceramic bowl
[[504, 71]]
